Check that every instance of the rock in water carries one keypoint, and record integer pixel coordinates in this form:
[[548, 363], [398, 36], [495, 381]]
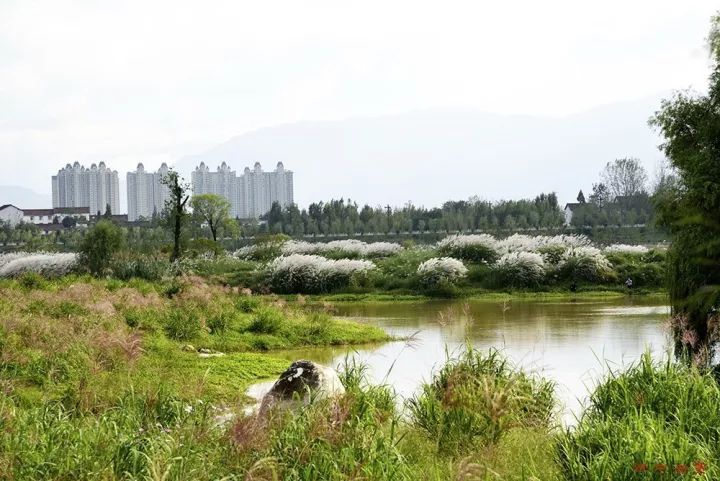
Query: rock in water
[[304, 379]]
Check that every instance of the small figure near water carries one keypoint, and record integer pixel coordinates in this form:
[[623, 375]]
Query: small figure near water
[[629, 283]]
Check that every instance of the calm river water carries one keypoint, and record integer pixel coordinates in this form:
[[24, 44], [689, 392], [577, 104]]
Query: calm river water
[[572, 342]]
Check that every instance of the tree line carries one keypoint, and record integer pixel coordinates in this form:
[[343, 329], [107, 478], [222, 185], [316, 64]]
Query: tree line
[[340, 216]]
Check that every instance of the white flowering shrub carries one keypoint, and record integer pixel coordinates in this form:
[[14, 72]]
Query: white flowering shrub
[[11, 256], [300, 273], [46, 264], [518, 243], [526, 243], [262, 251], [299, 247], [586, 264], [382, 249], [440, 271], [626, 249], [342, 248], [472, 248], [519, 269]]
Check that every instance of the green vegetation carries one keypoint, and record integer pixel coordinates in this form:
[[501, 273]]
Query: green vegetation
[[644, 420], [689, 207], [99, 245], [92, 393]]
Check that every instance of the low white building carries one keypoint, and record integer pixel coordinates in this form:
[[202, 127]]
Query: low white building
[[14, 215], [10, 214]]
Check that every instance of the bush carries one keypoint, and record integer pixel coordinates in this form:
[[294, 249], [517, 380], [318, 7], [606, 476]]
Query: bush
[[475, 398], [46, 264], [183, 324], [626, 249], [526, 243], [31, 280], [320, 323], [648, 415], [471, 248], [585, 264], [266, 321], [299, 273], [141, 268], [99, 245], [646, 270], [440, 271], [220, 323], [247, 304], [519, 269], [342, 249]]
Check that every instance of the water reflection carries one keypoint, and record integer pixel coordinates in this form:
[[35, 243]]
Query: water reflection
[[573, 343]]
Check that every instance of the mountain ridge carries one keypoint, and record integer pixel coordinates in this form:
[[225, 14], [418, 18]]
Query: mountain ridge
[[433, 155]]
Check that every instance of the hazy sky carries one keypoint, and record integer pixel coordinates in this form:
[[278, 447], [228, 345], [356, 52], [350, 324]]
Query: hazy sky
[[152, 81]]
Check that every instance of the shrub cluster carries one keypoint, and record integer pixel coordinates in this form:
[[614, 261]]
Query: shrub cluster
[[584, 264], [313, 274], [440, 271], [45, 264], [344, 248], [626, 249], [473, 248], [519, 269]]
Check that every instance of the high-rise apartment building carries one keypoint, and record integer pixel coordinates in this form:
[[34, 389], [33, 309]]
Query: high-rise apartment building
[[146, 194], [94, 188], [251, 194]]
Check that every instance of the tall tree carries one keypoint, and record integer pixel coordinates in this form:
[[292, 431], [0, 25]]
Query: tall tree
[[176, 209], [624, 177], [690, 209], [214, 210], [581, 197], [600, 194]]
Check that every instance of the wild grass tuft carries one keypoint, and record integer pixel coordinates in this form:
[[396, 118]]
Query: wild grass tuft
[[475, 398]]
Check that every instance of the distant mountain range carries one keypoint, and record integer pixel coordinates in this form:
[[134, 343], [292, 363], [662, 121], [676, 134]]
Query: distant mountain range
[[431, 156], [24, 198]]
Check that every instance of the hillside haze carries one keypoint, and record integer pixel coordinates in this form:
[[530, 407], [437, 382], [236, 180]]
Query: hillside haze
[[24, 198], [431, 156]]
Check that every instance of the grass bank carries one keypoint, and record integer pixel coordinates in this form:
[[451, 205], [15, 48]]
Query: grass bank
[[478, 418], [95, 338]]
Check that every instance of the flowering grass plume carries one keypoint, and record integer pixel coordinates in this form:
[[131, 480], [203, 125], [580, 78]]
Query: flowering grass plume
[[441, 270], [585, 263], [348, 247], [520, 269], [626, 249], [473, 247], [46, 264], [299, 273], [526, 243]]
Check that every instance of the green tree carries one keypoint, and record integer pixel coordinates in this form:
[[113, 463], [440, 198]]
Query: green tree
[[600, 194], [690, 209], [99, 245], [213, 210], [624, 178], [176, 210]]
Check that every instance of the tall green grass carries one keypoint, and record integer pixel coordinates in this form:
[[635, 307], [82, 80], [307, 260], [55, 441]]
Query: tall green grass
[[650, 417]]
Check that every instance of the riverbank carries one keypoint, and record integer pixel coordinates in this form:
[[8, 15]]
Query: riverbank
[[483, 295], [97, 338]]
